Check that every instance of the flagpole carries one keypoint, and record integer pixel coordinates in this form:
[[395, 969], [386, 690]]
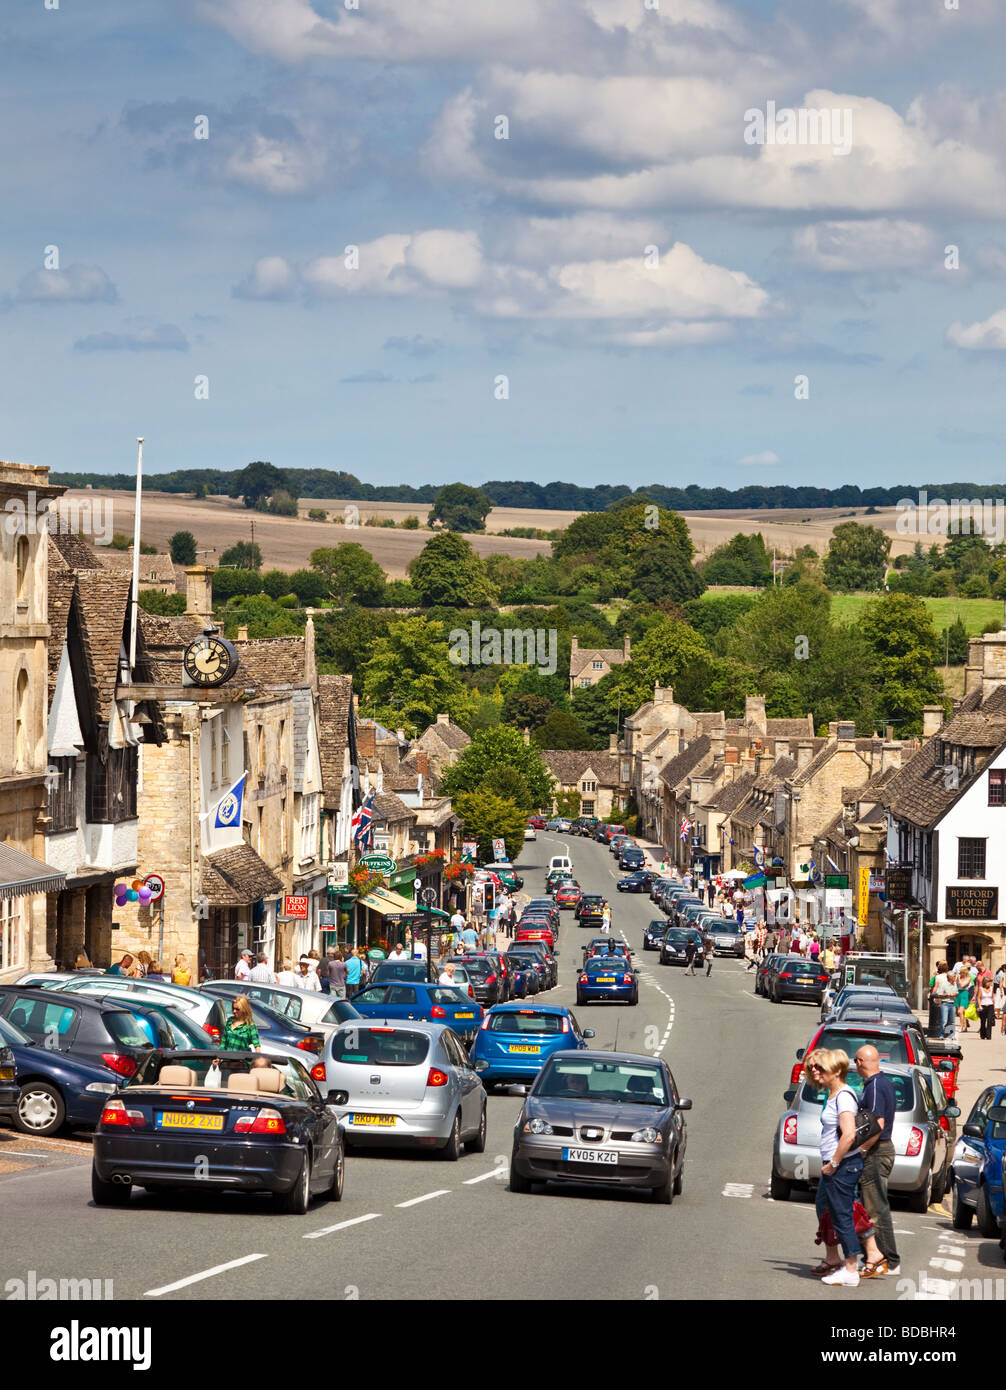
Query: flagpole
[[136, 559]]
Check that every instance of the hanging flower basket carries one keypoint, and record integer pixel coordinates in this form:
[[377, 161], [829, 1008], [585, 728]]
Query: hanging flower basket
[[458, 870], [433, 856], [364, 881]]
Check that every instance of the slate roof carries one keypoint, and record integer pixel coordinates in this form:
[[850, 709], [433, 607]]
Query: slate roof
[[448, 734], [776, 776], [335, 702], [103, 597], [236, 877], [676, 769], [568, 765], [790, 728], [614, 656], [710, 719], [388, 807], [154, 569], [733, 793], [61, 587], [825, 753], [271, 662], [749, 812], [165, 639], [70, 551]]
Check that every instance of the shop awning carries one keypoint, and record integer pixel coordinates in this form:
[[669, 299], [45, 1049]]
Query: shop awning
[[20, 874], [387, 903]]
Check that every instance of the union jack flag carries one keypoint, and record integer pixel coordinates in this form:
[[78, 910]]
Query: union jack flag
[[686, 826], [362, 823]]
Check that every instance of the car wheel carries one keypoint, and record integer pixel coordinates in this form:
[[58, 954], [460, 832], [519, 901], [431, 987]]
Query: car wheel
[[579, 1001], [664, 1194], [919, 1201], [478, 1144], [338, 1177], [779, 1187], [109, 1194], [296, 1201], [987, 1223], [517, 1182], [40, 1109], [679, 1181], [962, 1215], [940, 1186], [452, 1149]]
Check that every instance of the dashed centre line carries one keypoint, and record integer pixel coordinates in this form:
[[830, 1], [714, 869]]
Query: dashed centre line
[[341, 1225], [427, 1197], [204, 1274]]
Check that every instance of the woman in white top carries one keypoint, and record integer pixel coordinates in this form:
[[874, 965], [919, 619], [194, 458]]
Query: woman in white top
[[288, 977], [985, 1000]]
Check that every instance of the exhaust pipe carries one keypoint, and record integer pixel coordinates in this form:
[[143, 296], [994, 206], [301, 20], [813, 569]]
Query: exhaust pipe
[[123, 1178]]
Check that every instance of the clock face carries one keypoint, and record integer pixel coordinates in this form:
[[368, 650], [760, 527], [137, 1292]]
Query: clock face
[[210, 661]]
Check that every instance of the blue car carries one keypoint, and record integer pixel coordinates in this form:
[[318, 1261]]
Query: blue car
[[515, 1041], [607, 978], [420, 999], [977, 1165], [54, 1089]]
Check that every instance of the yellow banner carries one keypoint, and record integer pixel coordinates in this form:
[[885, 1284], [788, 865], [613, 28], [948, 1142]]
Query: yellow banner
[[864, 896]]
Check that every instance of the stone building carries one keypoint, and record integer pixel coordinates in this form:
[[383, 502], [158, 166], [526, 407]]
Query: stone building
[[443, 743], [590, 665], [594, 776]]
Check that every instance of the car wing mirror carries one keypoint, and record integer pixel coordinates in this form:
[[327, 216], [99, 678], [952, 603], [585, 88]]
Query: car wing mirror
[[952, 1111], [973, 1131], [589, 1033], [789, 1097], [799, 1053], [683, 1104]]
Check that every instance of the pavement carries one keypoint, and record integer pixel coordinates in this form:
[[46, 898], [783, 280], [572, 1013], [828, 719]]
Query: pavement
[[414, 1226]]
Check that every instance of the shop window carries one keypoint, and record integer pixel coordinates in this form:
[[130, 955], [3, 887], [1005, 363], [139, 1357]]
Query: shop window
[[970, 858]]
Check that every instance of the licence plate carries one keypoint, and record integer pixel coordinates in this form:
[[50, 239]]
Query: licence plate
[[605, 980], [384, 1121], [167, 1119], [522, 1047], [589, 1156], [464, 1015]]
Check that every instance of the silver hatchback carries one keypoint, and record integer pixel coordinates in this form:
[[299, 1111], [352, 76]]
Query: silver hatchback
[[410, 1084], [922, 1141]]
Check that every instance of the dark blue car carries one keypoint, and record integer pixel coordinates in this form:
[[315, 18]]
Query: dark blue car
[[54, 1089], [516, 1040], [419, 999], [606, 978], [977, 1165]]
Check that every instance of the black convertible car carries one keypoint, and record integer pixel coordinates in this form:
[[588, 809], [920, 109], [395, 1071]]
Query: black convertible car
[[210, 1119]]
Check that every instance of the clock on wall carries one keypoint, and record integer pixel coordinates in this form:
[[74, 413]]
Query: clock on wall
[[209, 660]]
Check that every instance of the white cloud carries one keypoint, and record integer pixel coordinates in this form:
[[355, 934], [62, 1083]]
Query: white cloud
[[447, 259], [869, 245], [400, 263], [275, 166], [582, 236], [989, 336], [150, 338], [682, 286], [77, 284], [766, 459], [271, 277]]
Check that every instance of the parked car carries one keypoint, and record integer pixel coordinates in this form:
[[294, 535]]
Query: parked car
[[636, 882], [567, 895], [846, 992], [8, 1081], [767, 971], [797, 978], [538, 951], [531, 929], [632, 857], [674, 947], [485, 977], [418, 1000], [977, 1165], [589, 911], [584, 825], [235, 1126], [210, 1013], [404, 969], [922, 1150], [536, 822], [525, 977], [407, 1084], [91, 1030], [53, 1089], [513, 1042], [314, 1009], [530, 833]]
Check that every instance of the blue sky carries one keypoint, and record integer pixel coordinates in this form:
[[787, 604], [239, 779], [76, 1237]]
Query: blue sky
[[524, 257]]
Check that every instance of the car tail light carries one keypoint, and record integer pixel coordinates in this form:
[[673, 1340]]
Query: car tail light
[[911, 1049], [626, 979], [944, 1124], [795, 1074], [485, 1023], [584, 979], [119, 1063], [785, 974], [822, 979], [789, 1130], [213, 1031], [438, 1012], [915, 1139], [491, 979], [267, 1121], [309, 1044], [471, 992], [565, 1024], [115, 1113], [318, 1071], [437, 1077]]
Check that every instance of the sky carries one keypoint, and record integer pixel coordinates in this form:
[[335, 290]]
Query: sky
[[542, 239]]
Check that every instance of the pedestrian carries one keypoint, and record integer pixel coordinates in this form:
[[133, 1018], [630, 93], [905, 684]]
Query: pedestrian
[[751, 949], [961, 975], [307, 979], [457, 921], [944, 992], [243, 968], [364, 967], [469, 938], [999, 1001], [878, 1160], [144, 962], [814, 951], [288, 977], [240, 1033], [337, 975], [841, 1166], [261, 972], [606, 919], [181, 974], [398, 953], [446, 976], [353, 972], [986, 1005], [122, 967], [418, 948], [707, 946], [828, 957], [691, 946]]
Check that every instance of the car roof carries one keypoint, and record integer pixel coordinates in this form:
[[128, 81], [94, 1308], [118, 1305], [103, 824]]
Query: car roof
[[595, 1055], [558, 1009], [47, 996], [397, 1025]]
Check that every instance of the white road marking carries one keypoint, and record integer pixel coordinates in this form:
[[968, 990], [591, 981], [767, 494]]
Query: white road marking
[[341, 1225], [900, 1231], [28, 1153], [954, 1266], [738, 1189], [205, 1274], [494, 1173], [427, 1197]]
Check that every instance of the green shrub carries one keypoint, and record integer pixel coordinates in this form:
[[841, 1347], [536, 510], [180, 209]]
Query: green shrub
[[411, 523], [317, 514]]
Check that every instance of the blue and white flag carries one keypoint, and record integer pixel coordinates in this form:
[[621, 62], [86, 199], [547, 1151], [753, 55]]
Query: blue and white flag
[[227, 812]]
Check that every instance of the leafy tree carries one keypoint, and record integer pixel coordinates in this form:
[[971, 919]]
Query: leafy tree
[[399, 593], [345, 639], [709, 614], [408, 679], [562, 730], [230, 582], [975, 586], [146, 548], [447, 571], [308, 585], [245, 555], [492, 748], [167, 605], [527, 680], [741, 560], [282, 504], [568, 804], [857, 558], [670, 653], [898, 629], [507, 782], [663, 570], [350, 573], [276, 583], [487, 817], [616, 541], [263, 617], [182, 547], [525, 711], [256, 482], [955, 643], [461, 508]]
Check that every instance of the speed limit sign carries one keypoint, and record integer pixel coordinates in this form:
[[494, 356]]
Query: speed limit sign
[[156, 885]]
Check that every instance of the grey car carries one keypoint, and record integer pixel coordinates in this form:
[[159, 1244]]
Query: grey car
[[726, 936], [847, 992], [405, 1085], [609, 1119], [922, 1146]]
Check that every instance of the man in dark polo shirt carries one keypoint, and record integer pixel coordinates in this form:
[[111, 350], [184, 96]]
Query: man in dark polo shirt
[[878, 1160]]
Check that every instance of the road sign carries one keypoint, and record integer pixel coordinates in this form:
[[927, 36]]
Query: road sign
[[295, 907], [469, 850], [499, 849], [156, 885], [378, 863]]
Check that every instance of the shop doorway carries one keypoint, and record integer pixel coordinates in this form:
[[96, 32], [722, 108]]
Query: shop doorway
[[960, 946]]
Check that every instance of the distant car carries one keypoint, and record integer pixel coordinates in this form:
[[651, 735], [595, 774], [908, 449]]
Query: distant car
[[632, 858], [584, 825], [977, 1165], [553, 824], [514, 1042], [726, 936], [432, 1003], [654, 935], [563, 825], [202, 1120], [536, 822], [674, 947], [602, 1118], [404, 969], [567, 895], [530, 833], [637, 882], [405, 1084], [485, 978], [539, 952], [589, 911], [52, 1089], [312, 1008], [601, 943], [525, 978], [604, 980], [798, 979]]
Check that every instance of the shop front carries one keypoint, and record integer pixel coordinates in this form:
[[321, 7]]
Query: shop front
[[381, 910]]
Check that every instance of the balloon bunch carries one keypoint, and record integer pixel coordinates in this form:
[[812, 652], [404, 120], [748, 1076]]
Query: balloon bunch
[[131, 893]]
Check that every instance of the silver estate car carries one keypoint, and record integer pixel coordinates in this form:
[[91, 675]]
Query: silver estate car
[[406, 1084], [610, 1119], [922, 1142]]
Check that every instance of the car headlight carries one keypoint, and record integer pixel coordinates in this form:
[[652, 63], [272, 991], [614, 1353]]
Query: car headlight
[[104, 1087], [537, 1126], [649, 1135]]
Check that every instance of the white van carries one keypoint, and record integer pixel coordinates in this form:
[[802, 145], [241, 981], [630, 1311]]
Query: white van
[[560, 861]]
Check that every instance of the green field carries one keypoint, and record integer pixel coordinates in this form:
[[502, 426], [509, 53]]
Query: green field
[[973, 612]]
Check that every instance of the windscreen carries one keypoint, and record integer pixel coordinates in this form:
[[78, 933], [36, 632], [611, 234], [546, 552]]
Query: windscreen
[[380, 1048], [891, 1046], [125, 1029], [529, 1022], [631, 1082]]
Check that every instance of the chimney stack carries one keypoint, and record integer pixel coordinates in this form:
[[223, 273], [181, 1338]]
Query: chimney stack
[[612, 743], [446, 718], [199, 592], [932, 720], [422, 762], [718, 741], [310, 661], [754, 712], [627, 646], [366, 739], [804, 753], [242, 633]]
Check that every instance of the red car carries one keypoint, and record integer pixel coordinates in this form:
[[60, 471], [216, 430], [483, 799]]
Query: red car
[[568, 895], [536, 933], [537, 822]]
